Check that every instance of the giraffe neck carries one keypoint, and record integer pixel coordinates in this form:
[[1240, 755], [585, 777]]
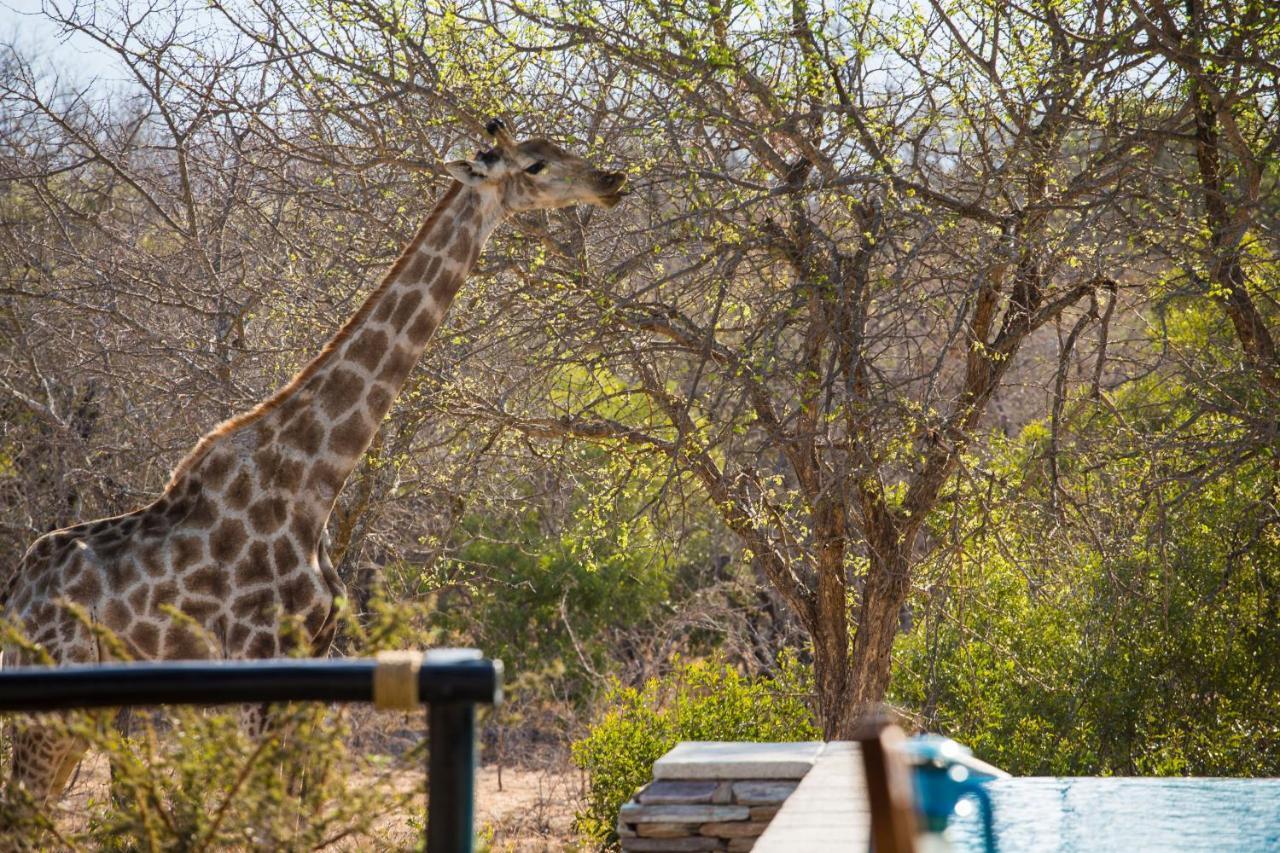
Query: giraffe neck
[[296, 449]]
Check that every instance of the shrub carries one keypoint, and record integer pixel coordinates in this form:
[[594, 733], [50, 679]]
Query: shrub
[[700, 700]]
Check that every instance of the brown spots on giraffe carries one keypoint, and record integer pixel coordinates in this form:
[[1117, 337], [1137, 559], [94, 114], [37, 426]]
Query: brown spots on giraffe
[[153, 523], [306, 433], [285, 476], [268, 514], [325, 480], [121, 574], [240, 492], [151, 559], [87, 586], [187, 550], [368, 348], [163, 594], [417, 268], [315, 618], [255, 606], [386, 304], [292, 406], [340, 393], [378, 399], [145, 638], [263, 645], [423, 325], [432, 270], [254, 568], [42, 549], [399, 363], [441, 236], [116, 616], [460, 251], [137, 599], [304, 527], [446, 286], [284, 556], [208, 581], [216, 467], [182, 643], [408, 306], [203, 514], [297, 592], [227, 540], [200, 609], [179, 509], [350, 437], [239, 635]]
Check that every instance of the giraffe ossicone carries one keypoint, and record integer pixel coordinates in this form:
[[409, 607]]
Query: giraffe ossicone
[[235, 540]]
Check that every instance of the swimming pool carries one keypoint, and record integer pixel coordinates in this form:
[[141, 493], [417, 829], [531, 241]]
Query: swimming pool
[[1115, 813]]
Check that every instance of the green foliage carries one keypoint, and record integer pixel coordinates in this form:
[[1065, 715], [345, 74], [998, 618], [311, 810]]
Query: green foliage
[[1124, 621], [700, 700], [194, 780]]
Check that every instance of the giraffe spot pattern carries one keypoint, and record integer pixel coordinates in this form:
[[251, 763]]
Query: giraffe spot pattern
[[286, 475], [351, 436], [340, 393], [187, 550], [145, 637], [399, 363], [284, 556], [215, 469], [239, 492], [181, 643], [163, 594], [227, 540], [386, 305], [208, 580], [367, 349], [305, 433], [378, 399], [423, 326], [116, 615], [408, 305], [255, 606], [203, 514], [267, 514], [416, 268]]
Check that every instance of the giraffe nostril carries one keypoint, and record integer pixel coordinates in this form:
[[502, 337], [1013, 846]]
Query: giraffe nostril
[[612, 181]]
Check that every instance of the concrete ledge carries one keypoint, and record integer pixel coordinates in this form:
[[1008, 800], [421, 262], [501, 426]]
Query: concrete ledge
[[721, 760]]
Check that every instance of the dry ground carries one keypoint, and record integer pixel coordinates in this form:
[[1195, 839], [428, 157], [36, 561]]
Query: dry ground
[[532, 809]]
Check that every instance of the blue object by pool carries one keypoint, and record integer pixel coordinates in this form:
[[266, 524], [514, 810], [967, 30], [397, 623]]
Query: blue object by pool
[[1071, 815]]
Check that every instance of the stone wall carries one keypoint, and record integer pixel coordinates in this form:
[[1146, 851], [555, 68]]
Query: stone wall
[[713, 796]]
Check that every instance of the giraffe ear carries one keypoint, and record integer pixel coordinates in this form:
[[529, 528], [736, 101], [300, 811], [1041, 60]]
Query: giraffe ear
[[469, 172]]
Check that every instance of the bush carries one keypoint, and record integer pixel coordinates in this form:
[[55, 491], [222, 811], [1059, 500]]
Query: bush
[[700, 700]]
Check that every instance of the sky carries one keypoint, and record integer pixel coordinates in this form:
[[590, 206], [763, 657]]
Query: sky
[[74, 57]]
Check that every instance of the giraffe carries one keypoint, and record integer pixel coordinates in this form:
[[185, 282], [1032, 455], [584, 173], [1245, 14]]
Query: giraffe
[[235, 540]]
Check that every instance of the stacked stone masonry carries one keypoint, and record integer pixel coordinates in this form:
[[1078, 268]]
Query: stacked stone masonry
[[712, 796]]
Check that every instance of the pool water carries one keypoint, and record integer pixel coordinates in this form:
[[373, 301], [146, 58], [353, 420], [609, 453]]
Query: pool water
[[1079, 814]]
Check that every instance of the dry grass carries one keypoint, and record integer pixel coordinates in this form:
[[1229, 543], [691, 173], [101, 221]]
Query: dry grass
[[517, 808]]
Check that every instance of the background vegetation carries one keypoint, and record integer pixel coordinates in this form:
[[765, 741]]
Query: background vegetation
[[935, 348]]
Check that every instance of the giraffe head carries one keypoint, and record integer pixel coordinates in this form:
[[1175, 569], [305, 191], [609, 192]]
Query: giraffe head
[[536, 174]]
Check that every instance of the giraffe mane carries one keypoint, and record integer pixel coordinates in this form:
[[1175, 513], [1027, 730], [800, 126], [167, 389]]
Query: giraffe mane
[[236, 422]]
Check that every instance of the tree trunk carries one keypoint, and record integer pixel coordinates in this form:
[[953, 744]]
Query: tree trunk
[[887, 585]]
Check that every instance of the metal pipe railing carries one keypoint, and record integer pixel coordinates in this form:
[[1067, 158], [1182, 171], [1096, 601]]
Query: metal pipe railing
[[450, 682]]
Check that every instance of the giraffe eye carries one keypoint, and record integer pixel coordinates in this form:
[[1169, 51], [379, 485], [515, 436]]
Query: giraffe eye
[[536, 168]]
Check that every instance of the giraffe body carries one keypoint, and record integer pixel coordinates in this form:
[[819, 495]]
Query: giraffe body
[[235, 541]]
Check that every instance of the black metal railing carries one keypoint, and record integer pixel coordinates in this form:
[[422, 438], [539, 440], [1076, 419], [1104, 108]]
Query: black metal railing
[[450, 682]]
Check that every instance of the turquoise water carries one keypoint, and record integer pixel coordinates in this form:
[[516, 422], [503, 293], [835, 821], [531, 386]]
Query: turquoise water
[[1070, 815]]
